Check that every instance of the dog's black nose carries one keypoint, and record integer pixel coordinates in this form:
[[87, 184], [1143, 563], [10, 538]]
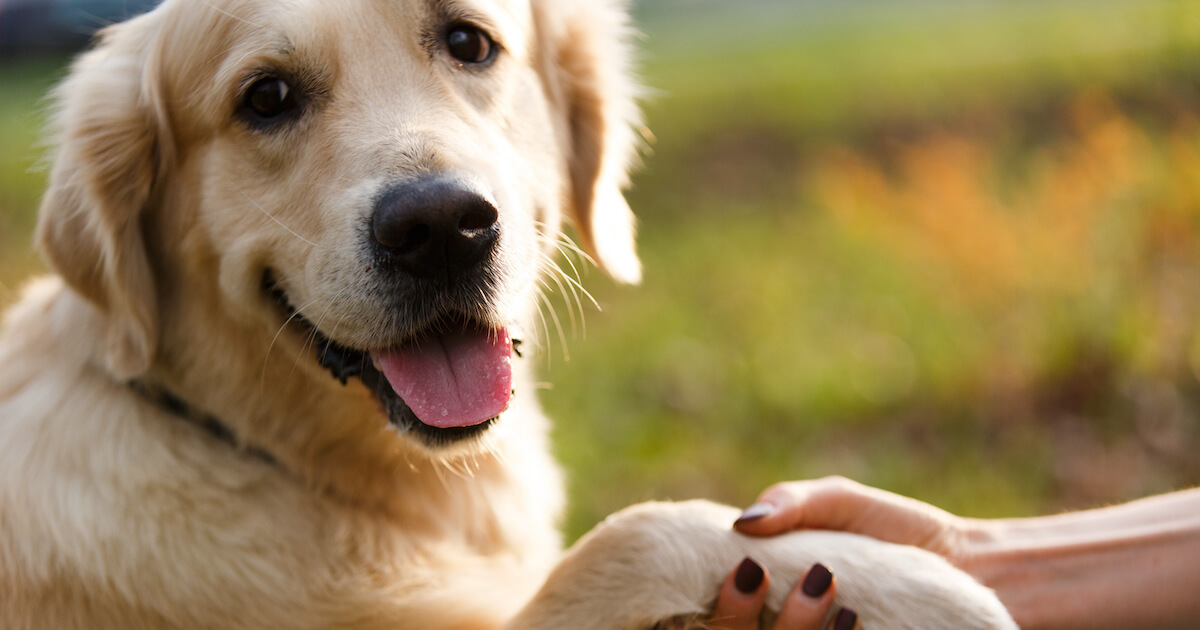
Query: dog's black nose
[[436, 225]]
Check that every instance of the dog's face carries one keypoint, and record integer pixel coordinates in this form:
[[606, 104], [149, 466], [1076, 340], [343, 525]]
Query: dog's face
[[403, 156], [386, 178]]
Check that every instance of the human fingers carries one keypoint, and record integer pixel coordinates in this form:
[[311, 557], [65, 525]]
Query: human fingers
[[807, 605], [741, 598], [845, 619], [827, 503], [840, 504]]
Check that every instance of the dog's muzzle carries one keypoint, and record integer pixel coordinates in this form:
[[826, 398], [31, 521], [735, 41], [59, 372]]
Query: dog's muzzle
[[432, 242]]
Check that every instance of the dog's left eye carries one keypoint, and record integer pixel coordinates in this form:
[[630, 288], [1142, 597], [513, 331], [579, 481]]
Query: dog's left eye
[[269, 99], [469, 44]]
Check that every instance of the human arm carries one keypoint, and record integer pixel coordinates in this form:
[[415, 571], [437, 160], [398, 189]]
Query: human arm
[[1127, 566]]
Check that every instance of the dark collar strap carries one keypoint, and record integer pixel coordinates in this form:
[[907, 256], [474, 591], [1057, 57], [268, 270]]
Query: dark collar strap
[[210, 424]]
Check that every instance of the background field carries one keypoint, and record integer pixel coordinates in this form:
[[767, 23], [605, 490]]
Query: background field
[[947, 248]]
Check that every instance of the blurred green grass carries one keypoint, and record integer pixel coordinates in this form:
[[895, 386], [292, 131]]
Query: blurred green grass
[[780, 335], [842, 218], [23, 85], [828, 63]]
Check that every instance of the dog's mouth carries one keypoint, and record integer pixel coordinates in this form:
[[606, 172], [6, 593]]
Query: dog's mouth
[[445, 383]]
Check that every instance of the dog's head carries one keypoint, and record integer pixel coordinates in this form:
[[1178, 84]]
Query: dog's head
[[389, 176]]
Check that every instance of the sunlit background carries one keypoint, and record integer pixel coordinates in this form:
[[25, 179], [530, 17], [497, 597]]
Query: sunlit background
[[950, 248]]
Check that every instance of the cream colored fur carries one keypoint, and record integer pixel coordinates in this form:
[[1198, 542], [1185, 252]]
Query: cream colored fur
[[163, 212]]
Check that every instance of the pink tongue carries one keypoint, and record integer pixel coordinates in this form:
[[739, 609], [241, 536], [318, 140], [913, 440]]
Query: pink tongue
[[455, 380]]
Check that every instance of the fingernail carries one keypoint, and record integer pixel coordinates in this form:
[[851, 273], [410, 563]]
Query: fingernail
[[845, 620], [755, 512], [749, 576], [817, 581]]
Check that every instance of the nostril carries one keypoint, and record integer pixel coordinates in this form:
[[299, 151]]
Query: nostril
[[481, 217], [401, 236], [435, 226], [416, 236]]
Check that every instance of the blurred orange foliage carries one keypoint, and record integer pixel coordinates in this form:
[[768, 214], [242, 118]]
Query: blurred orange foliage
[[1093, 205], [949, 197]]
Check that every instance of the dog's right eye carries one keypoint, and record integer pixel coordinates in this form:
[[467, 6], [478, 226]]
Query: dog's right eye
[[270, 99], [468, 44]]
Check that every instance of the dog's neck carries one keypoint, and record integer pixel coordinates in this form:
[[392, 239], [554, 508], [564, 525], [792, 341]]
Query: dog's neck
[[181, 409], [270, 393]]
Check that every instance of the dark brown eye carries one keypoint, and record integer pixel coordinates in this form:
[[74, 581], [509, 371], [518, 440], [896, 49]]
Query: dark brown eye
[[469, 44], [270, 98]]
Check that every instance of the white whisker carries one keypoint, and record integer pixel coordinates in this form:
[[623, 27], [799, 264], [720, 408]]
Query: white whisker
[[277, 221], [232, 16], [464, 475], [540, 296], [267, 356], [316, 326], [491, 448], [575, 279], [574, 289], [555, 274], [562, 338], [437, 470]]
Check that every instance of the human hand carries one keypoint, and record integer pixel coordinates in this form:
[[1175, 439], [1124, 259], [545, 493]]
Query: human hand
[[744, 592], [838, 503], [834, 503]]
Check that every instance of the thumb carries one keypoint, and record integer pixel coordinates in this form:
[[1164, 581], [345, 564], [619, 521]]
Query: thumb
[[828, 503]]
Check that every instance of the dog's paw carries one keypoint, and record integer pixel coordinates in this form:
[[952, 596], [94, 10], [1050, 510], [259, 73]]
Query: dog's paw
[[660, 565]]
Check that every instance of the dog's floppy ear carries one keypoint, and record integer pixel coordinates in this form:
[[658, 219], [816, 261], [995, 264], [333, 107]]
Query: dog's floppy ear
[[107, 149], [588, 52]]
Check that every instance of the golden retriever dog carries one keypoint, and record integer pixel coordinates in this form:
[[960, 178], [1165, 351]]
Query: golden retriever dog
[[275, 379]]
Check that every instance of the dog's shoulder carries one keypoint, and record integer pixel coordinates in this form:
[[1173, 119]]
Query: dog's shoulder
[[104, 496]]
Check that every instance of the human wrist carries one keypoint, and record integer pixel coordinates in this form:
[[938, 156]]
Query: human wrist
[[975, 544], [1086, 570], [999, 556]]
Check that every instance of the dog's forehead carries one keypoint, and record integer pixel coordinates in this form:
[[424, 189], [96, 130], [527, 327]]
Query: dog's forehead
[[221, 42], [298, 19], [360, 28]]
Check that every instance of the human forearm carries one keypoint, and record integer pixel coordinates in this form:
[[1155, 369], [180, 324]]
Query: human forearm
[[1131, 566]]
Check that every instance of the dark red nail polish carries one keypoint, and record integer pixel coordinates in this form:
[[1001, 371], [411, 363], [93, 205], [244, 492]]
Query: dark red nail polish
[[817, 581], [755, 512], [845, 620], [749, 576]]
